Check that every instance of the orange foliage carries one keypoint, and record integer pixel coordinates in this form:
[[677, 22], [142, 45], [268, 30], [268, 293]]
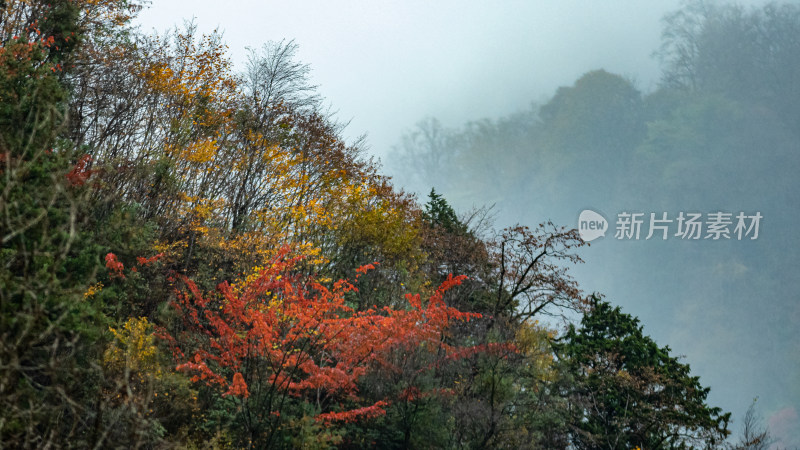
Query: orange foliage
[[305, 333], [367, 412], [114, 266], [80, 173], [147, 261]]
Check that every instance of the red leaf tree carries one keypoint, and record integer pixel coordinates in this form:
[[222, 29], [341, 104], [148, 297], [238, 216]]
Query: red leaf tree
[[281, 337]]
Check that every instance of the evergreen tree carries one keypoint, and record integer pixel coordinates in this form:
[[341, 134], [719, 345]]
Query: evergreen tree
[[626, 392], [439, 213]]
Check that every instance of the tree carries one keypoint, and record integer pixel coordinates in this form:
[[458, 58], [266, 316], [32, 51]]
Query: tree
[[427, 149], [51, 324], [275, 77], [477, 163], [281, 337], [528, 280], [749, 55], [627, 392], [755, 436], [439, 213], [589, 133], [46, 262]]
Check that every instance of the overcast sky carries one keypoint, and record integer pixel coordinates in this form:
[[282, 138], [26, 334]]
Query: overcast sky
[[386, 65]]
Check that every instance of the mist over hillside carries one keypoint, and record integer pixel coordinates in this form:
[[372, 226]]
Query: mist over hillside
[[721, 133]]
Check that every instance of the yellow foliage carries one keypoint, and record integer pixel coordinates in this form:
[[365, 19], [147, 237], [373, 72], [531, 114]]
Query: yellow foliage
[[244, 191], [93, 289], [532, 340], [133, 348]]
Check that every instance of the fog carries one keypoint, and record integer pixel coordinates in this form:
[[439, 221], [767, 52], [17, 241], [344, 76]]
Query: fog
[[385, 66], [545, 109]]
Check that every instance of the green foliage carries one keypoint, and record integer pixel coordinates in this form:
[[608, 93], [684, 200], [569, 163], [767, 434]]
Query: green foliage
[[627, 392], [439, 213], [747, 54], [47, 259], [599, 116]]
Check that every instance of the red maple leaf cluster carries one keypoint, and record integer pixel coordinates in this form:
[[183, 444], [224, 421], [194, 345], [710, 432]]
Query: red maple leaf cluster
[[305, 334], [80, 173]]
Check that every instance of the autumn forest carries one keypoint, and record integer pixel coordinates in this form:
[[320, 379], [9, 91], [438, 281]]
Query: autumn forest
[[193, 256]]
